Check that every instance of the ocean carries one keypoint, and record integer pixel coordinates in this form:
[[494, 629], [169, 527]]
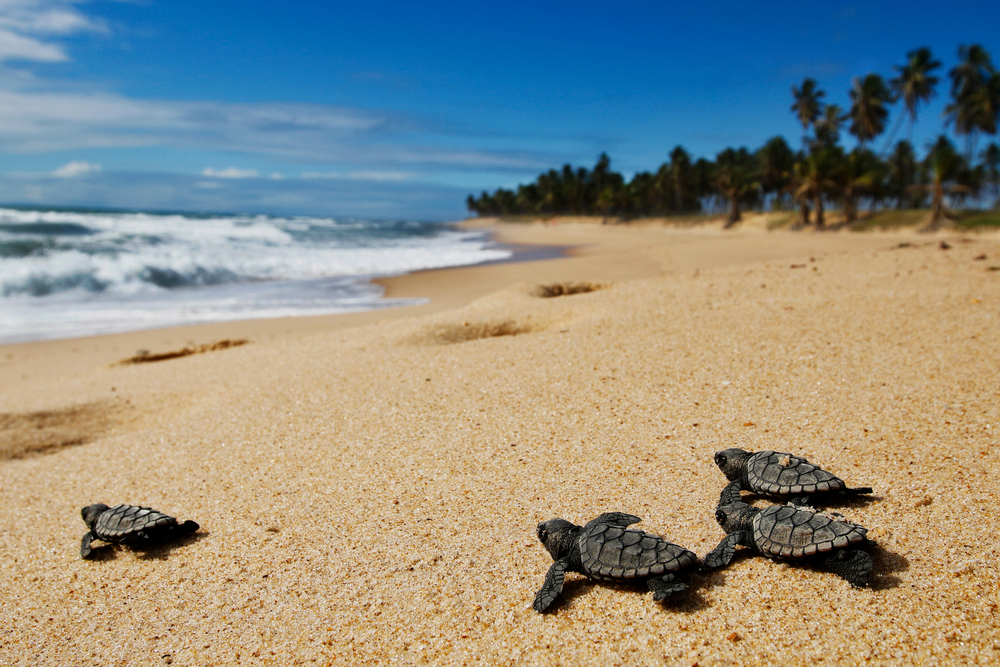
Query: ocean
[[71, 273]]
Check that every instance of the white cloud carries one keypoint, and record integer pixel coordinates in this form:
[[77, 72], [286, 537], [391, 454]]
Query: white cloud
[[19, 47], [76, 168], [382, 175], [371, 145], [25, 26], [361, 175], [317, 174], [277, 177], [230, 172]]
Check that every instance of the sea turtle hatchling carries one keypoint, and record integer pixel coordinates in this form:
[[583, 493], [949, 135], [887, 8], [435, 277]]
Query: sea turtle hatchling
[[778, 474], [129, 524], [790, 532], [606, 550]]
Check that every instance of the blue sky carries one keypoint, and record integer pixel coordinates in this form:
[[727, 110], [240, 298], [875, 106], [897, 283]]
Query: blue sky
[[401, 109]]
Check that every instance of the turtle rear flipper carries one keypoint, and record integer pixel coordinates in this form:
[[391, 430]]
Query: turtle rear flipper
[[854, 566], [664, 586], [552, 587], [85, 549]]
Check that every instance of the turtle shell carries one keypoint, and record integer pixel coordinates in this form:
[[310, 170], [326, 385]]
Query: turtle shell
[[792, 532], [612, 552], [124, 521], [786, 474]]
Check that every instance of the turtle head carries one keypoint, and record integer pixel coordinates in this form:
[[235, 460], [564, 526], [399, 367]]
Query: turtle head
[[731, 462], [91, 512], [735, 516], [558, 536]]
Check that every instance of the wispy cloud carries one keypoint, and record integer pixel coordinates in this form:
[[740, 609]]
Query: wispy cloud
[[33, 122], [361, 175], [75, 168], [292, 196], [28, 26], [230, 172]]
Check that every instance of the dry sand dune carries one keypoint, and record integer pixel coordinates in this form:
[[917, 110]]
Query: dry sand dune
[[370, 493]]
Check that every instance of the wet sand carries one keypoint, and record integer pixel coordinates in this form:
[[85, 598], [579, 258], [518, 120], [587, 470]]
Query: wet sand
[[368, 486]]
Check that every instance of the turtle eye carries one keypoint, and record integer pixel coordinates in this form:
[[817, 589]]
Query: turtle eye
[[720, 516], [542, 534], [720, 459]]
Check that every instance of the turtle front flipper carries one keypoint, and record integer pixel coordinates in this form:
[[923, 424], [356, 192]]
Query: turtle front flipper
[[664, 586], [85, 545], [185, 528], [731, 494], [721, 555], [553, 585], [855, 566]]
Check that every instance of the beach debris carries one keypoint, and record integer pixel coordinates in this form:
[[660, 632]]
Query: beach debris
[[944, 245], [566, 289], [145, 356], [787, 532], [129, 524], [778, 474], [606, 550]]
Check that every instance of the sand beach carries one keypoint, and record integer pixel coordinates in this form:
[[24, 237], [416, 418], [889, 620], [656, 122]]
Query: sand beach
[[368, 485]]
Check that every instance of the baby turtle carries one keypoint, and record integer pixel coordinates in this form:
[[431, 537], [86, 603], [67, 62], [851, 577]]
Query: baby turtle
[[606, 551], [129, 524], [789, 532], [778, 474]]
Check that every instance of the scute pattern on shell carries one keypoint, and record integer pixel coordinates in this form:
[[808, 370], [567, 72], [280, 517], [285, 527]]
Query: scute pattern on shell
[[792, 532], [620, 553], [122, 521], [786, 474]]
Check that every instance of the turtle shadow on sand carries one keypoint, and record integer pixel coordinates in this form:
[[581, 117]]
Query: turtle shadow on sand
[[886, 564], [152, 549], [685, 602], [824, 501]]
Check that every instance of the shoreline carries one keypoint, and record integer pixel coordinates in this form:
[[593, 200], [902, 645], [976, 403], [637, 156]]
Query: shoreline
[[565, 249]]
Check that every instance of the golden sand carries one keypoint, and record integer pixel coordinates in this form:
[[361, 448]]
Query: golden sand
[[369, 491]]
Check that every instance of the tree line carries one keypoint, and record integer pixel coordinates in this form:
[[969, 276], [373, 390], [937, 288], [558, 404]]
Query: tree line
[[820, 174]]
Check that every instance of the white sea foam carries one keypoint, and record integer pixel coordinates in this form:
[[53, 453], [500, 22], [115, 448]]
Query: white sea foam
[[72, 273]]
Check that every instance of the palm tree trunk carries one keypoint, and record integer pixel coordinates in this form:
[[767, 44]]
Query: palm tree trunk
[[820, 222], [850, 208], [734, 213], [939, 211]]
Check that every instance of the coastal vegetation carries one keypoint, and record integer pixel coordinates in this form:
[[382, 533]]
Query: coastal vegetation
[[876, 175]]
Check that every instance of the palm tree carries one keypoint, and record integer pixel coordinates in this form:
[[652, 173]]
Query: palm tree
[[975, 91], [913, 85], [775, 164], [735, 179], [827, 127], [860, 173], [680, 181], [807, 107], [903, 167], [946, 166], [991, 165], [816, 176], [869, 108]]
